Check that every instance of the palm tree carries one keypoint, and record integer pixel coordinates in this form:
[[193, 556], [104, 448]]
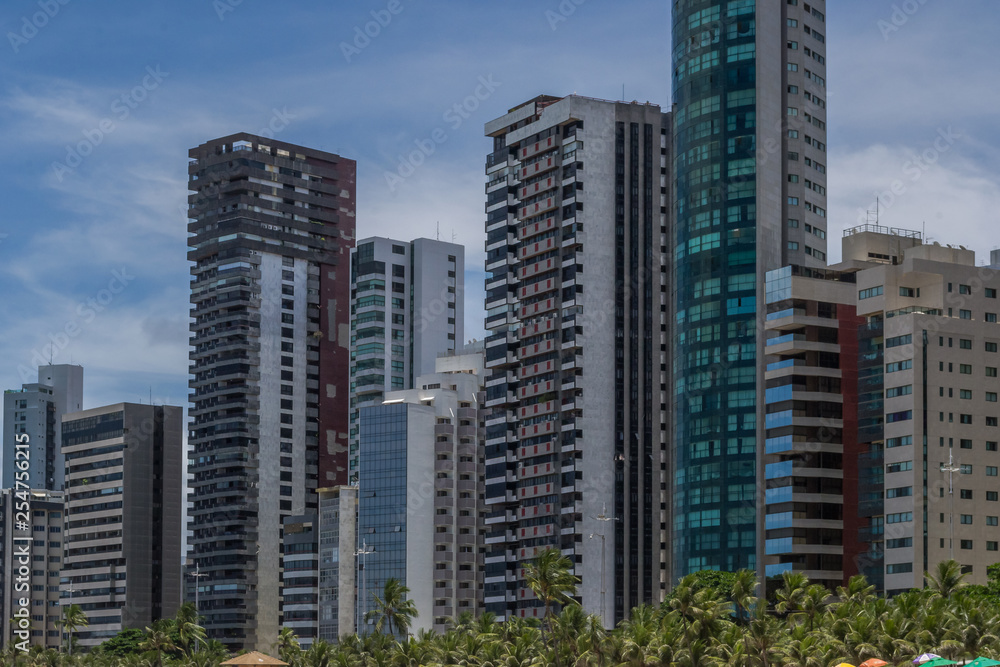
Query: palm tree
[[814, 603], [393, 611], [73, 618], [158, 640], [287, 645], [743, 594], [791, 593], [188, 629], [947, 578], [762, 639], [550, 579]]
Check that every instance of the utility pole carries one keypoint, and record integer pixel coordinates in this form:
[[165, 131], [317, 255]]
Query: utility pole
[[951, 469]]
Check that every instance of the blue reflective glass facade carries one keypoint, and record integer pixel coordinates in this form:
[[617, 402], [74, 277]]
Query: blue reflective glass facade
[[715, 255], [381, 502]]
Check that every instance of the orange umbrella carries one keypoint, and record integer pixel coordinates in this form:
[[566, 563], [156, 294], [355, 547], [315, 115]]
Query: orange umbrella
[[873, 662]]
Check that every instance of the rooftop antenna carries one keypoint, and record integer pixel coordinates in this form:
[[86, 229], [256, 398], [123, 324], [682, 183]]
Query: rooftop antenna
[[438, 230], [453, 235], [623, 92]]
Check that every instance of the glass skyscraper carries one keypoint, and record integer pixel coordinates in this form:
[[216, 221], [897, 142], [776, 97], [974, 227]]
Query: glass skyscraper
[[750, 146]]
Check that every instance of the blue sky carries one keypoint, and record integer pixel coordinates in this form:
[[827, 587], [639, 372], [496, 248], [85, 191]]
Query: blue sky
[[99, 105]]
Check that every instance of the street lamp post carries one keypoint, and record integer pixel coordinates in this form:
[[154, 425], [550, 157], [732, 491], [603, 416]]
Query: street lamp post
[[603, 517], [363, 552], [951, 469], [197, 607]]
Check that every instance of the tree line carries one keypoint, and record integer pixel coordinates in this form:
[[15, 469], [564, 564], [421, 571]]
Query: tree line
[[709, 619]]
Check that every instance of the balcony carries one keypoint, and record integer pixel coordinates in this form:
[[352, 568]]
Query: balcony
[[540, 470], [529, 250], [536, 349], [536, 228], [533, 269]]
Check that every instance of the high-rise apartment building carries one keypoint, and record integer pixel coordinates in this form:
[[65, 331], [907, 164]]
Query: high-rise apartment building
[[749, 89], [407, 306], [882, 417], [122, 525], [577, 358], [30, 558], [36, 410], [271, 228], [419, 506]]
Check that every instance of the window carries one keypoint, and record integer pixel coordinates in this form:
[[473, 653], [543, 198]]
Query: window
[[965, 419], [398, 249], [896, 366], [965, 468], [899, 492], [991, 471], [991, 546], [991, 496], [901, 466], [965, 314], [991, 347], [899, 340], [965, 519], [991, 371], [964, 289], [899, 517], [991, 293], [893, 392], [899, 568], [899, 543], [902, 441], [964, 494], [895, 417], [991, 317], [966, 544], [991, 521], [871, 292], [965, 369], [965, 444], [991, 445], [908, 291], [965, 343], [965, 394]]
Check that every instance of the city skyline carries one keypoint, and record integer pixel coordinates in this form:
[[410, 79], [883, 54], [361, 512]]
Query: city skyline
[[94, 262]]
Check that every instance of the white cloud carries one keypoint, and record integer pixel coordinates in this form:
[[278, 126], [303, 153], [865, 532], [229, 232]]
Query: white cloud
[[955, 197]]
